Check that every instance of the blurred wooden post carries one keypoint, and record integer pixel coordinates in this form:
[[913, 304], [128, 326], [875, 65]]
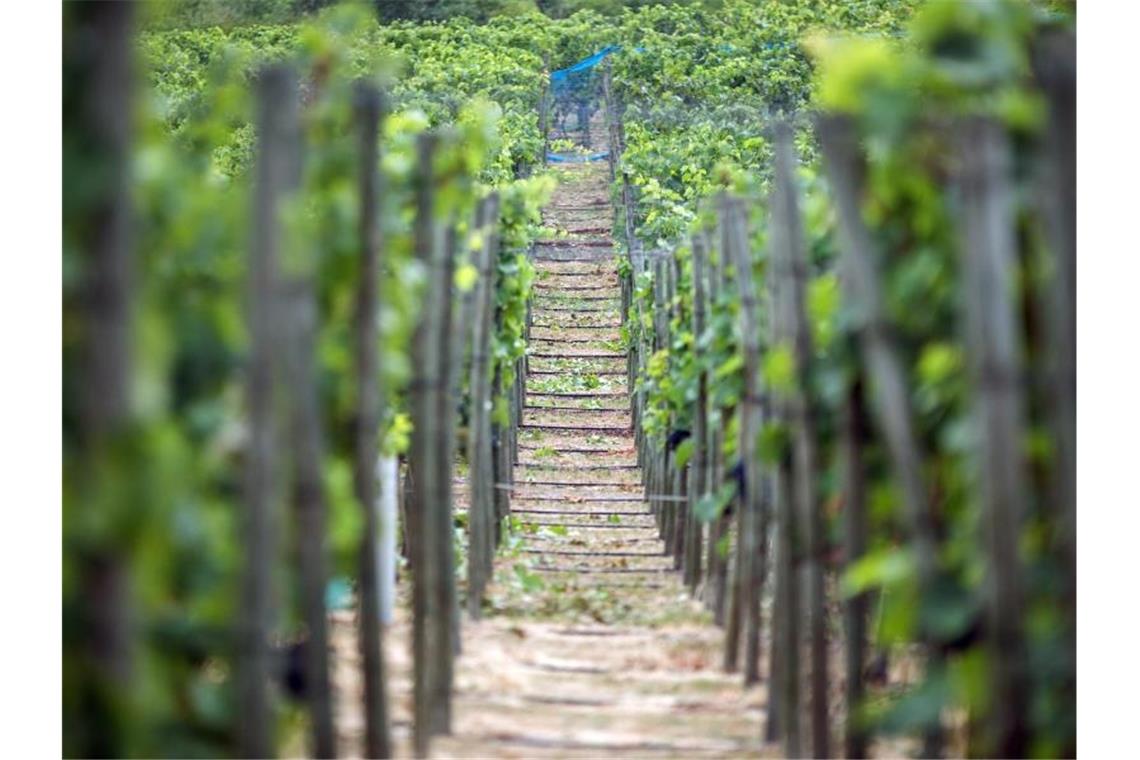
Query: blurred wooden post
[[989, 256], [754, 529], [660, 342], [628, 213], [445, 630], [854, 435], [1055, 66], [500, 450], [637, 391], [481, 520], [669, 505], [99, 41], [861, 282], [544, 109], [631, 355], [717, 588], [300, 321], [789, 259], [649, 456], [698, 479], [731, 217], [784, 712], [663, 478], [277, 175], [611, 117], [425, 453], [369, 112], [309, 504]]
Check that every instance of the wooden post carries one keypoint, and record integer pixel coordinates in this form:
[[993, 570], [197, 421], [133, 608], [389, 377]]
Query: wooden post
[[663, 479], [698, 480], [500, 446], [309, 503], [863, 291], [369, 111], [784, 712], [277, 174], [425, 454], [989, 254], [462, 337], [789, 259], [98, 108], [628, 213], [754, 528], [445, 636], [854, 435], [717, 589], [669, 506], [611, 117], [544, 109], [679, 489], [660, 341], [636, 391], [481, 522], [1055, 66], [742, 562]]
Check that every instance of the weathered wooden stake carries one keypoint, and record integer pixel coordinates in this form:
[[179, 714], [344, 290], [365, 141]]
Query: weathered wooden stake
[[713, 591], [741, 561], [369, 112], [784, 713], [698, 479], [309, 502], [481, 468], [1055, 66], [277, 175], [425, 454], [863, 292], [500, 452], [445, 632], [754, 529], [854, 435], [989, 255], [98, 42], [789, 259]]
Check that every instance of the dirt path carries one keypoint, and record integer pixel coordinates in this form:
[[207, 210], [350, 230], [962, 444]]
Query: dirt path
[[590, 646]]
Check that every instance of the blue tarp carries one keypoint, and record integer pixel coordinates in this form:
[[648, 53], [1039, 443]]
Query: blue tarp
[[564, 81], [574, 91], [570, 82], [576, 159]]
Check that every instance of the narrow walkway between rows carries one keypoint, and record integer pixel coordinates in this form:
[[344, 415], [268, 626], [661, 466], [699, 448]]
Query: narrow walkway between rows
[[591, 646]]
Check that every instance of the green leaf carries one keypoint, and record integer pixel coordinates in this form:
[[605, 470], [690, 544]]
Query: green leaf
[[530, 582], [711, 505], [773, 442], [723, 545], [465, 277], [398, 436], [779, 368], [823, 305], [683, 452], [884, 568], [938, 362], [729, 366]]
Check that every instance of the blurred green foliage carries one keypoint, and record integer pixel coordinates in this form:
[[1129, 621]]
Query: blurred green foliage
[[172, 515], [699, 93]]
